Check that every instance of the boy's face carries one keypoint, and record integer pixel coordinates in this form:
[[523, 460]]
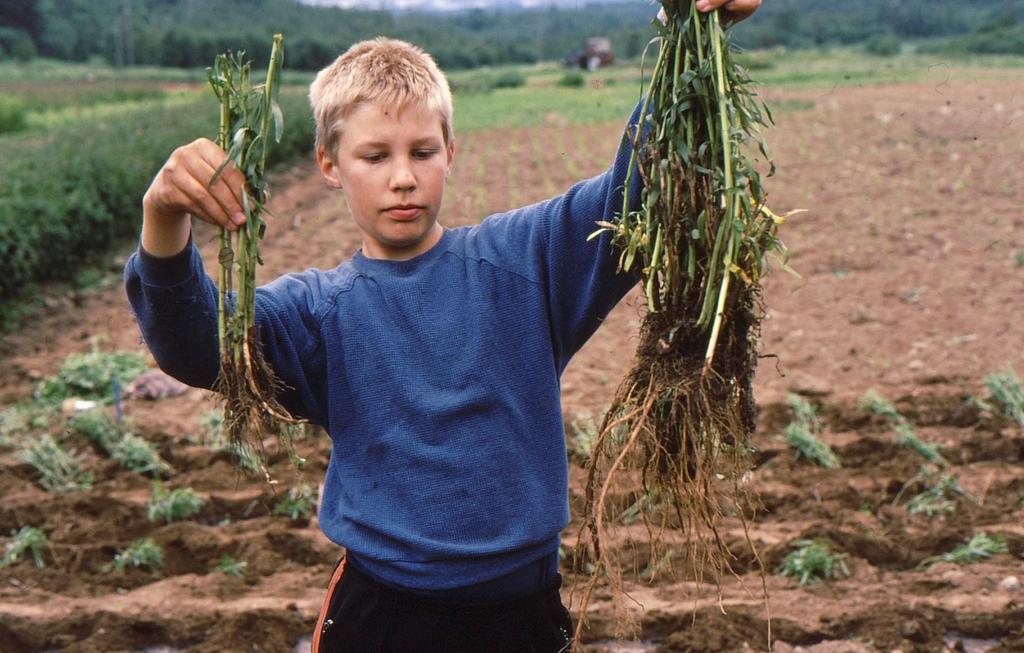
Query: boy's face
[[391, 167]]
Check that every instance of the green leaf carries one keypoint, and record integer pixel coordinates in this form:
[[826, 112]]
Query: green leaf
[[278, 120]]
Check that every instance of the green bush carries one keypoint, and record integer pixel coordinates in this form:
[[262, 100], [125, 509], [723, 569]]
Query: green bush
[[1008, 39], [91, 375], [12, 114], [754, 61], [467, 84], [573, 79], [16, 44], [882, 45], [509, 79], [69, 195]]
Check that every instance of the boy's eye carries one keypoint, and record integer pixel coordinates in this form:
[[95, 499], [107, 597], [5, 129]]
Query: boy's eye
[[424, 154], [373, 158]]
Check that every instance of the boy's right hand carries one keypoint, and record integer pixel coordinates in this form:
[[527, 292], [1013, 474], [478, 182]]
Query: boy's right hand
[[182, 187]]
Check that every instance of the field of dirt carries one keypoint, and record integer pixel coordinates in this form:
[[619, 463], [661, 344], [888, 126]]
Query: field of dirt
[[911, 263]]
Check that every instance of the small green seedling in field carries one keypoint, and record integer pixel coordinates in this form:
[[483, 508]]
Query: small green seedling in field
[[644, 505], [244, 457], [906, 437], [133, 452], [98, 427], [1005, 391], [659, 566], [801, 434], [938, 497], [215, 438], [22, 419], [27, 540], [299, 502], [91, 376], [878, 405], [811, 561], [59, 471], [141, 554], [138, 455], [211, 429], [980, 547], [231, 567], [175, 505], [584, 433]]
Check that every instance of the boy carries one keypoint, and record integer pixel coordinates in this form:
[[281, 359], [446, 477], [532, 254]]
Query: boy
[[432, 359]]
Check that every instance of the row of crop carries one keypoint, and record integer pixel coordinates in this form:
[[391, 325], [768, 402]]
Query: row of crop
[[937, 490], [92, 378], [66, 196], [933, 493]]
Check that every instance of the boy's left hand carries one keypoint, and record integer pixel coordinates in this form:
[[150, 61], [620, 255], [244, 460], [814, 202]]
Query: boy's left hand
[[732, 10]]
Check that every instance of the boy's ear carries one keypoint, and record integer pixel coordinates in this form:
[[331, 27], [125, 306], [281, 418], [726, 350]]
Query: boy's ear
[[451, 154], [328, 168]]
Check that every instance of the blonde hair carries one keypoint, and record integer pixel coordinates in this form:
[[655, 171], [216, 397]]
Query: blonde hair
[[385, 71]]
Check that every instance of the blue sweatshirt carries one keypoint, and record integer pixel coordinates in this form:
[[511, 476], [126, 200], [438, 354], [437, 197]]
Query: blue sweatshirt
[[437, 378]]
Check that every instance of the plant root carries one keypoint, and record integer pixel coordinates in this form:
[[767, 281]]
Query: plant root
[[249, 387], [684, 430]]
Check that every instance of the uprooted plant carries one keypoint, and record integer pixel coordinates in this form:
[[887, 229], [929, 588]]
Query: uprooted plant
[[698, 242], [247, 383]]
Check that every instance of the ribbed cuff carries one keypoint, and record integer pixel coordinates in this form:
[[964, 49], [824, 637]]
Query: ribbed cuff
[[166, 270]]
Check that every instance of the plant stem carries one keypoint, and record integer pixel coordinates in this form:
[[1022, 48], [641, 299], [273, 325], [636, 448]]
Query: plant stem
[[270, 94], [224, 141], [730, 198]]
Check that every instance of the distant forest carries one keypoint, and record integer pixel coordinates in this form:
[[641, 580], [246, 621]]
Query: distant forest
[[188, 33]]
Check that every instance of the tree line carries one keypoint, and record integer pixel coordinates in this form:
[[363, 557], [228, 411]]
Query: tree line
[[188, 33]]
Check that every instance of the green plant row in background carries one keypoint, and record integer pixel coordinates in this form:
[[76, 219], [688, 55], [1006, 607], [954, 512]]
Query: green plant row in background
[[66, 196]]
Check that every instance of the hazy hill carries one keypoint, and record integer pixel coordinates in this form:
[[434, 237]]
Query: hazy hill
[[188, 33]]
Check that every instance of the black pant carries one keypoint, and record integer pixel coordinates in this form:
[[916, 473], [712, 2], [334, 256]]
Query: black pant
[[364, 616]]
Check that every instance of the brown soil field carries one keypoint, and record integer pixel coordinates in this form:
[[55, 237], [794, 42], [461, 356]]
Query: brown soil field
[[912, 283]]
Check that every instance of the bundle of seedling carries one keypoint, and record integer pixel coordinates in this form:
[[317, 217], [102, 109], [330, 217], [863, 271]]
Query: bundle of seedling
[[250, 117], [679, 424]]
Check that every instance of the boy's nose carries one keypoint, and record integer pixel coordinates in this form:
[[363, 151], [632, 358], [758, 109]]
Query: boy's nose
[[402, 177]]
